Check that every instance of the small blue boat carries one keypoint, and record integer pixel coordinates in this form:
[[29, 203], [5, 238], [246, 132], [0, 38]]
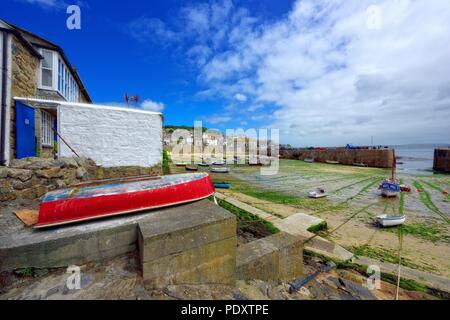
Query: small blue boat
[[222, 185], [390, 188]]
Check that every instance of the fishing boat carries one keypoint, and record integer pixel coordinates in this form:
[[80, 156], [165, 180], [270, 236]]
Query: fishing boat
[[220, 170], [191, 168], [405, 188], [317, 193], [390, 221], [360, 164], [203, 164], [391, 187], [308, 160], [222, 185], [332, 162], [181, 164], [105, 198]]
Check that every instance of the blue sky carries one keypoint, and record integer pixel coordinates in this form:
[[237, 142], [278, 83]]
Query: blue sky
[[322, 72], [113, 62]]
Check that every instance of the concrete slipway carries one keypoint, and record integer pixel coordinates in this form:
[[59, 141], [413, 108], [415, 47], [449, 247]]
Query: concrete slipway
[[94, 241]]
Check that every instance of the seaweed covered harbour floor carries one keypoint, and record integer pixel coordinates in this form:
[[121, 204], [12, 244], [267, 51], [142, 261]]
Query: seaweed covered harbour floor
[[426, 232]]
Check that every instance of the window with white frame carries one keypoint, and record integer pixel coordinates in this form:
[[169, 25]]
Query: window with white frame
[[67, 85], [47, 69], [47, 121], [55, 75]]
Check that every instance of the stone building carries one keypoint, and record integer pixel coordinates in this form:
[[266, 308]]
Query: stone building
[[37, 68]]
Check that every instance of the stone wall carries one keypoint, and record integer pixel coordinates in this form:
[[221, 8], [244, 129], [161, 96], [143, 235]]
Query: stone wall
[[382, 158], [442, 160], [32, 178], [24, 82]]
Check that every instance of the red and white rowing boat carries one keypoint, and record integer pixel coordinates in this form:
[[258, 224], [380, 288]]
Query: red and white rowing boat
[[104, 198]]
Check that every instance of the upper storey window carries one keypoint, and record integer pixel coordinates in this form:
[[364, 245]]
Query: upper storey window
[[47, 69], [55, 75]]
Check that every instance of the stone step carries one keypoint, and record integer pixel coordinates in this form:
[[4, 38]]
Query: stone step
[[189, 247]]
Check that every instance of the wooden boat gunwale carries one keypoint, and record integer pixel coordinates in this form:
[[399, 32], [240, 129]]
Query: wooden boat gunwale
[[61, 207], [41, 226]]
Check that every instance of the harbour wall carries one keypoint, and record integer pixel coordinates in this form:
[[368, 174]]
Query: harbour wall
[[377, 158], [442, 160]]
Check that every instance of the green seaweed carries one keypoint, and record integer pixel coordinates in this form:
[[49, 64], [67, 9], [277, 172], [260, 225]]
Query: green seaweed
[[166, 162], [425, 198], [318, 227], [246, 217], [25, 272], [384, 255]]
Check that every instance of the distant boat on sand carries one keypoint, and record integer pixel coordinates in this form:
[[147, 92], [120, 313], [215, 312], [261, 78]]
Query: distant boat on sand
[[317, 193], [391, 187], [390, 221], [360, 164]]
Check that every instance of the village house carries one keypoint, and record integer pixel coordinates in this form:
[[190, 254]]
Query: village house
[[46, 110], [33, 67]]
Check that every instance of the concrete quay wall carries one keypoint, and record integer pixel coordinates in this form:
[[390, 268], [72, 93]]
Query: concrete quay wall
[[442, 160], [380, 158]]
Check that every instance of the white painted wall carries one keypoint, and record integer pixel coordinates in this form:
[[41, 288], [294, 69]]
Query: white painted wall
[[111, 136]]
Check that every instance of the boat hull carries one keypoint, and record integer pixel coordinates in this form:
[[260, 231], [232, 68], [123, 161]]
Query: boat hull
[[222, 185], [80, 204], [220, 170], [390, 189], [386, 221]]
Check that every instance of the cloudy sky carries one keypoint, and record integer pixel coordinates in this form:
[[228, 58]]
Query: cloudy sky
[[325, 72]]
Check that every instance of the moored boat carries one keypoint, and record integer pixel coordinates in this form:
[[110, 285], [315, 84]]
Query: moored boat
[[405, 188], [191, 168], [181, 164], [332, 162], [203, 164], [309, 160], [360, 164], [317, 193], [222, 185], [390, 221], [218, 163], [391, 187], [220, 170], [99, 199]]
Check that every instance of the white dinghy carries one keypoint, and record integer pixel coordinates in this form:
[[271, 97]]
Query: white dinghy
[[317, 193], [390, 221]]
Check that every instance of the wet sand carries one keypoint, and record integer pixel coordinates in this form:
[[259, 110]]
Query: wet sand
[[354, 191]]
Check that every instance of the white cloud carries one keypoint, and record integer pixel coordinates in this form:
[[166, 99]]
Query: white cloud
[[152, 105], [52, 4], [331, 79], [217, 119], [240, 97], [147, 104]]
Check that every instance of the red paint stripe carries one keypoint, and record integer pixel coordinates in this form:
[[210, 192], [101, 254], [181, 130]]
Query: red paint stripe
[[60, 211]]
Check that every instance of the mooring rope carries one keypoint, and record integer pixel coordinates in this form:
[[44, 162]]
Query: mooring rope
[[400, 239], [342, 224]]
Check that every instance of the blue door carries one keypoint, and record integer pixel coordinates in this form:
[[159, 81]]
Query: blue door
[[25, 131]]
